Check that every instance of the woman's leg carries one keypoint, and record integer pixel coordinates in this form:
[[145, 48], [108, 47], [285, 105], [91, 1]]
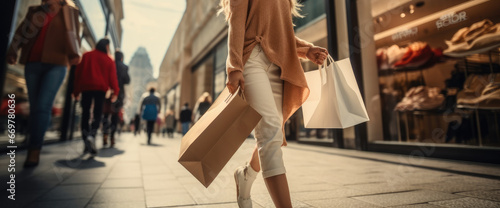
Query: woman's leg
[[46, 83], [264, 90], [51, 79], [254, 160], [86, 103], [33, 74]]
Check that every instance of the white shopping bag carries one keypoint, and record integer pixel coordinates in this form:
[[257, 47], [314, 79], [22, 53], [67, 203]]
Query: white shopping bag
[[335, 100]]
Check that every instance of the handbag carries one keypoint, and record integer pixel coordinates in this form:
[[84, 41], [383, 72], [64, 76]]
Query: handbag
[[334, 100], [73, 40]]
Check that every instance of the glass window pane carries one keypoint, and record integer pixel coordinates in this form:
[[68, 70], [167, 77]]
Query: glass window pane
[[95, 15]]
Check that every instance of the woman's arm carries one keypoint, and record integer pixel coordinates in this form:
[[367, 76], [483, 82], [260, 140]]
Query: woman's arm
[[23, 32], [302, 47], [236, 34], [236, 38]]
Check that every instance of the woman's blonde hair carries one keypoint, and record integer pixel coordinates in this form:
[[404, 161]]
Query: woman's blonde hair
[[224, 8]]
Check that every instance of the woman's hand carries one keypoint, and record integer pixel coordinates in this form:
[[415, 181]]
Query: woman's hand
[[235, 79], [11, 60], [317, 55]]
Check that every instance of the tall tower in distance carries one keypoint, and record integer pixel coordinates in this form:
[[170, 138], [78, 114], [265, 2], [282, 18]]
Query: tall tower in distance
[[141, 73]]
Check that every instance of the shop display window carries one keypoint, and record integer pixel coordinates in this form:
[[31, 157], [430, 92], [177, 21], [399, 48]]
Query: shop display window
[[438, 64]]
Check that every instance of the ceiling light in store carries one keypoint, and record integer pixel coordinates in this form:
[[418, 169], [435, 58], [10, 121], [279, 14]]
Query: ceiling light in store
[[412, 7], [380, 19], [403, 15], [412, 11]]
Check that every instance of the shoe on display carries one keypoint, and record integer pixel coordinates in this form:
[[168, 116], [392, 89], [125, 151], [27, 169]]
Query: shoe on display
[[476, 30], [480, 37], [421, 98], [473, 87], [481, 93]]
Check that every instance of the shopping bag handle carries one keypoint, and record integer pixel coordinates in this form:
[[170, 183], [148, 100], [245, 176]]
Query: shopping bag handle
[[325, 63], [238, 91], [322, 69]]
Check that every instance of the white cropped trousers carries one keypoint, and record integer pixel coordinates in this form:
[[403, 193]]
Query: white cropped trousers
[[264, 92]]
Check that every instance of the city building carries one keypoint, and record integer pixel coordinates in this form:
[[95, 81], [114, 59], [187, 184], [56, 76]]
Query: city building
[[141, 76]]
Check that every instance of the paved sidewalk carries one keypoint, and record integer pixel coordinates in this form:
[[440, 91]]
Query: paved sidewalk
[[138, 175]]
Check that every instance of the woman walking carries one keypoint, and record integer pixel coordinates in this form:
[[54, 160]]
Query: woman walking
[[47, 48], [263, 61], [93, 77]]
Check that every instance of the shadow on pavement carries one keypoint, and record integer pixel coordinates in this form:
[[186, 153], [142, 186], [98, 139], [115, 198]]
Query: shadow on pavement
[[80, 163], [109, 152], [152, 145]]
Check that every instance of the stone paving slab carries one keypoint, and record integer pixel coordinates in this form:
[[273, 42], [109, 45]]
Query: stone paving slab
[[484, 194], [138, 175], [467, 202], [406, 198], [340, 202]]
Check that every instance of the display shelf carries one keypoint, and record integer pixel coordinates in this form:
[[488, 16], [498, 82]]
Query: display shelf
[[463, 54], [388, 72]]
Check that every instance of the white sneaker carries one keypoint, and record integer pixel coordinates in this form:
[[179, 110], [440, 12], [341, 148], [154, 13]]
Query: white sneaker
[[244, 177]]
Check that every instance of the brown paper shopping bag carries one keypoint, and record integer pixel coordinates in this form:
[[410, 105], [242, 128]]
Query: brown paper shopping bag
[[212, 141]]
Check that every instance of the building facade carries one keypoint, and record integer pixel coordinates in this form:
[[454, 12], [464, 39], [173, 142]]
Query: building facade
[[400, 54], [98, 19]]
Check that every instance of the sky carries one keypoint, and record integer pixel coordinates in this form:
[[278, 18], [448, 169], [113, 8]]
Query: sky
[[147, 23], [150, 24]]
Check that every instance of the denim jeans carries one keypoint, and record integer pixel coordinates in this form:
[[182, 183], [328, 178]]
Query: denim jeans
[[43, 81], [185, 127]]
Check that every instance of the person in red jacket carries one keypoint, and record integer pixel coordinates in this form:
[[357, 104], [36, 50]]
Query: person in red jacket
[[93, 77]]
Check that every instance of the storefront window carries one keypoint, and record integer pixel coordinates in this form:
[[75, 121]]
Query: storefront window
[[438, 70], [311, 10], [97, 19], [202, 78], [220, 68]]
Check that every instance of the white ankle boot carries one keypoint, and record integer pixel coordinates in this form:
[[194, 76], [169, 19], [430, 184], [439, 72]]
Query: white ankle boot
[[244, 177]]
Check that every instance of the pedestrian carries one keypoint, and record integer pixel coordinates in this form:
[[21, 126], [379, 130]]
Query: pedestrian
[[49, 43], [111, 119], [93, 77], [185, 118], [150, 107], [137, 124], [202, 105], [263, 60], [170, 122]]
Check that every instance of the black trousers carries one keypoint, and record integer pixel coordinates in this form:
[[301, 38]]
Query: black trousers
[[150, 127], [89, 127], [110, 122]]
